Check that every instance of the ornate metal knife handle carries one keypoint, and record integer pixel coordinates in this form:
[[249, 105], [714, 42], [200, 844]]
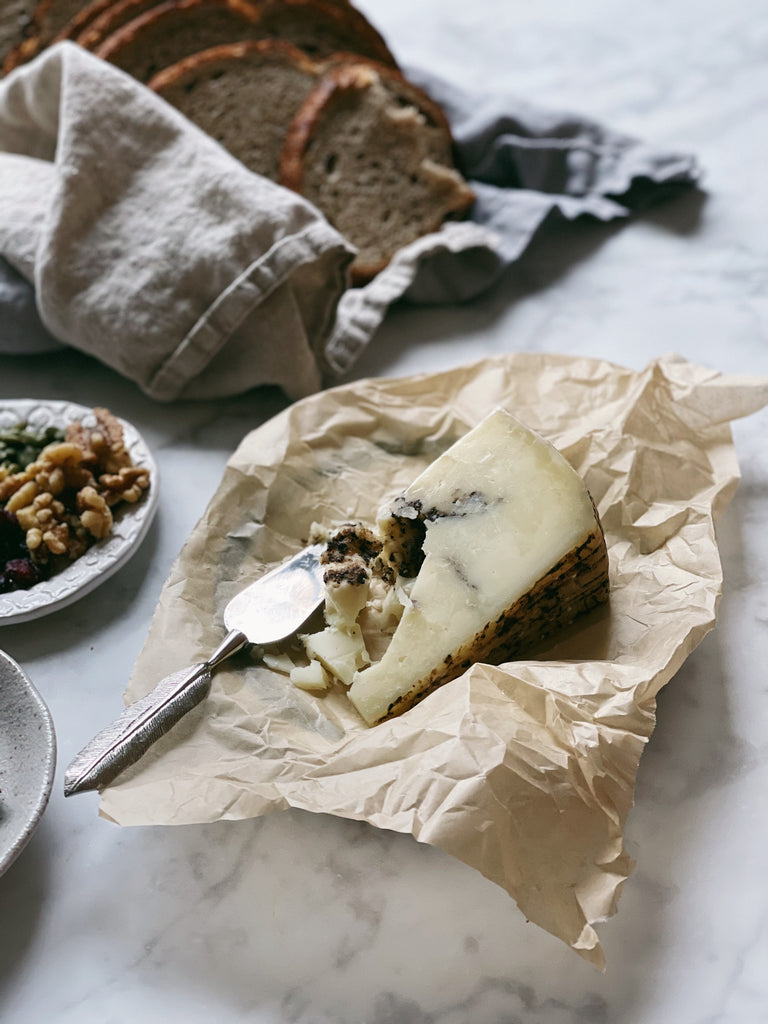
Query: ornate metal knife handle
[[129, 737]]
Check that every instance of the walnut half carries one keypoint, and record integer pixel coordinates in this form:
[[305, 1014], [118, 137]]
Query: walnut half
[[128, 484], [64, 500], [95, 514]]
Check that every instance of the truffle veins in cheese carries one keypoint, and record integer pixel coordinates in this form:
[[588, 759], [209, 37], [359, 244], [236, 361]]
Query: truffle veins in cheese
[[506, 547]]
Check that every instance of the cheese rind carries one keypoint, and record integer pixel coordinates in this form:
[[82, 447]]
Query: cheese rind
[[512, 551]]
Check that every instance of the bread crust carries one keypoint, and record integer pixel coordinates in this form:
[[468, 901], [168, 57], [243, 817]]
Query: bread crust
[[344, 72], [103, 17], [162, 17], [84, 18], [16, 24], [337, 82], [99, 20], [122, 18], [355, 33], [189, 67], [21, 54], [134, 46], [38, 34], [33, 39]]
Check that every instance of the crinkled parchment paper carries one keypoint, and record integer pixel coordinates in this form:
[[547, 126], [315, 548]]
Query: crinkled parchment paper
[[524, 771]]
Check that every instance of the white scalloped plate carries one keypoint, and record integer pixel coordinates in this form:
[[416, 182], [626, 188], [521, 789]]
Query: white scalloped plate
[[27, 759], [105, 557]]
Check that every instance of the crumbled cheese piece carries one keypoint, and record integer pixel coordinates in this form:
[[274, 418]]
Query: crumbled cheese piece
[[312, 677], [278, 661], [340, 652], [344, 601]]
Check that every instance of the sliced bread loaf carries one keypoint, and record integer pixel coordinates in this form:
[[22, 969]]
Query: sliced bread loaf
[[179, 28], [27, 26], [100, 18], [374, 153], [244, 95]]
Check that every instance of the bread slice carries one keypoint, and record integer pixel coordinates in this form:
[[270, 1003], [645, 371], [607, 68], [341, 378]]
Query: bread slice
[[98, 19], [113, 15], [244, 95], [51, 21], [36, 27], [374, 154], [177, 29], [173, 30], [16, 25], [321, 29]]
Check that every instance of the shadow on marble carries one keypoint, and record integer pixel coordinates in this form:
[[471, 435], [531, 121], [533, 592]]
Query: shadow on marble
[[209, 424], [694, 733], [559, 248], [676, 207], [24, 889], [550, 256], [555, 252], [312, 919], [71, 375], [317, 920]]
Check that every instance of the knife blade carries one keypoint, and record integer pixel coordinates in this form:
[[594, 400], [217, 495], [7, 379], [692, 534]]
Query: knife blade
[[268, 610]]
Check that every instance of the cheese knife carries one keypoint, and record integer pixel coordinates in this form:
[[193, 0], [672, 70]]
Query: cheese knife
[[268, 610]]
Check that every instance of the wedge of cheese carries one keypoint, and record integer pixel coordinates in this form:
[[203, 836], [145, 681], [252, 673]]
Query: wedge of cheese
[[506, 547]]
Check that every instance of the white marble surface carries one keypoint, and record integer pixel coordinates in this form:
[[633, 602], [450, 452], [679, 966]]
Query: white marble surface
[[316, 920]]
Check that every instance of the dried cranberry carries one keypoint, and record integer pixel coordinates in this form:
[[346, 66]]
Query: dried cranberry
[[22, 573], [9, 524]]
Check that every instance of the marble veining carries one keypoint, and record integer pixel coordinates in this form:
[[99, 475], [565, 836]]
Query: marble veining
[[316, 920]]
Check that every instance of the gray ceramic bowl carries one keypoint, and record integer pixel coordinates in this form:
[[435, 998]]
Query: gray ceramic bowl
[[27, 759]]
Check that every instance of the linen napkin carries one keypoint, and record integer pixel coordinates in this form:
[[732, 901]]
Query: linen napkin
[[150, 247], [129, 234], [532, 169]]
